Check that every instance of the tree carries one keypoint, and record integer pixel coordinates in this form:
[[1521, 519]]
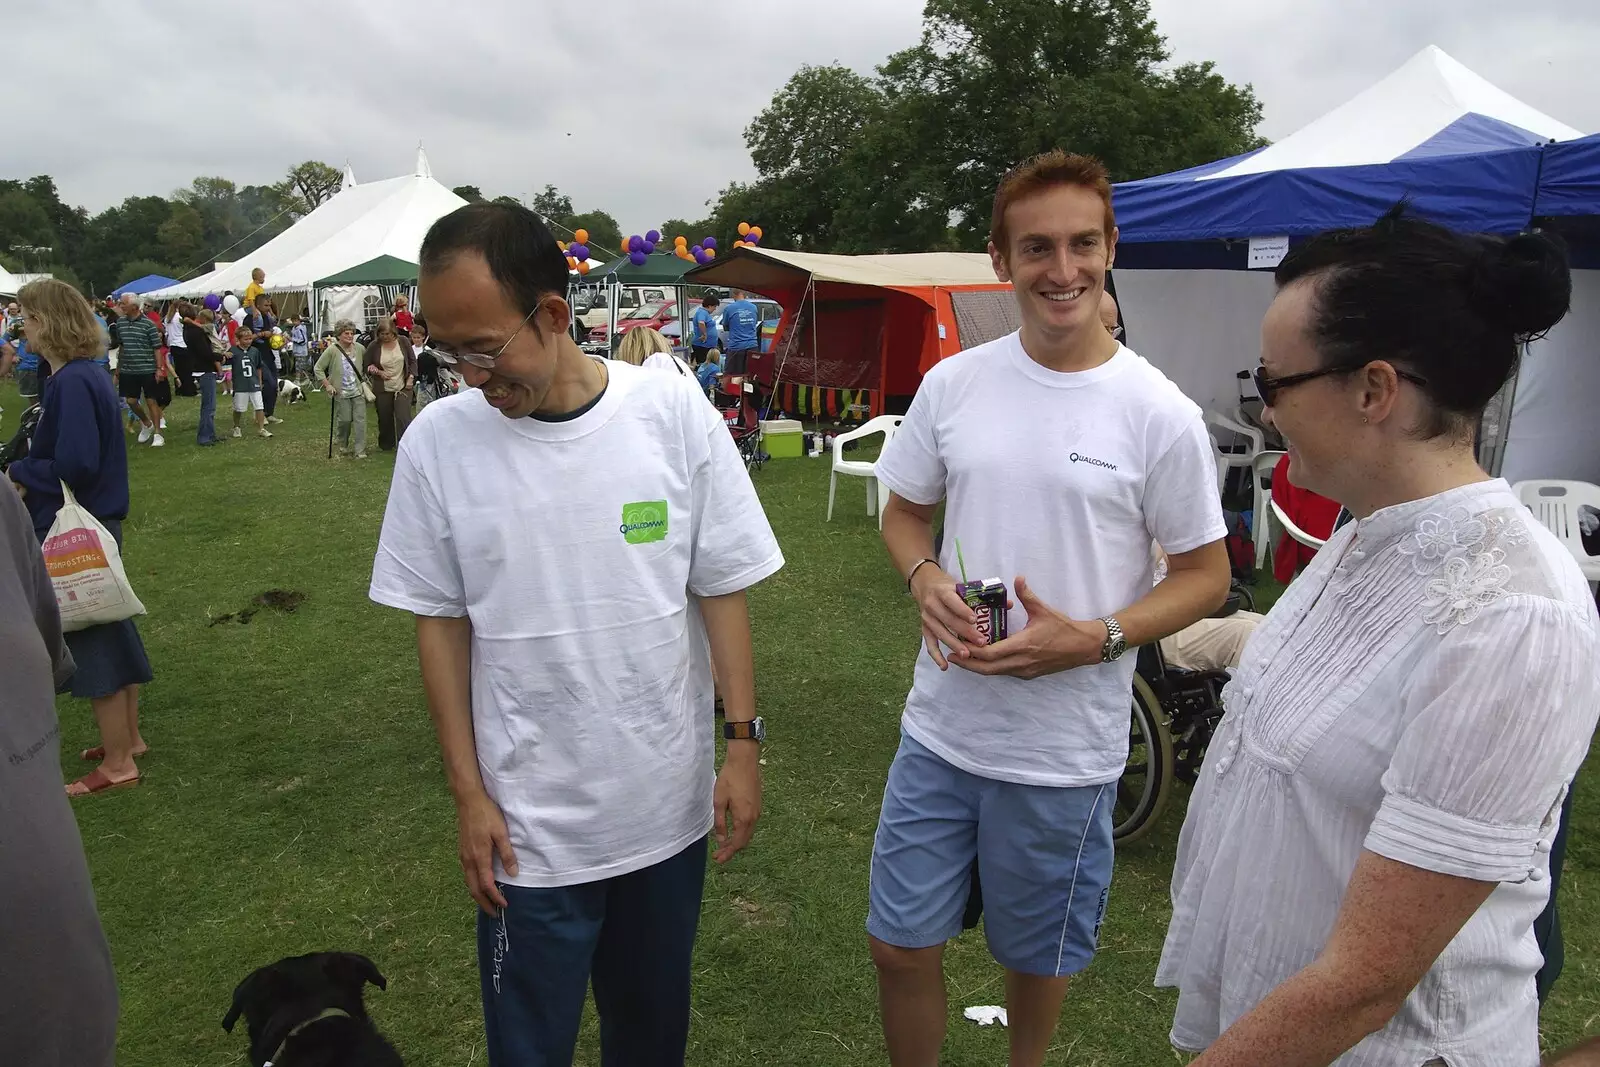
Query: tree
[[909, 159], [990, 85], [470, 193], [135, 269], [552, 204], [503, 199], [605, 235], [181, 238], [691, 231], [802, 145], [23, 223], [309, 184]]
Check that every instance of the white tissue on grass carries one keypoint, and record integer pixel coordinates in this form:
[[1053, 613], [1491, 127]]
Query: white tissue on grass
[[986, 1015]]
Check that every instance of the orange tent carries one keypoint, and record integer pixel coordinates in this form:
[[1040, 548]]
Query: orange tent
[[867, 323]]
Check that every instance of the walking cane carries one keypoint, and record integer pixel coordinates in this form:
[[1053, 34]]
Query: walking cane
[[333, 403]]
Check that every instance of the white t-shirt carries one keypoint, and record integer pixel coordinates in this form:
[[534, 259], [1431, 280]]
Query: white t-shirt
[[175, 331], [575, 548], [1065, 479], [667, 362]]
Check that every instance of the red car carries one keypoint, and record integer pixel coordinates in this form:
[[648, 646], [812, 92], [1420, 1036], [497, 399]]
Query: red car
[[654, 316]]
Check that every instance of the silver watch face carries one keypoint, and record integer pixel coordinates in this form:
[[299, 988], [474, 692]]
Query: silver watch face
[[1116, 644], [758, 728]]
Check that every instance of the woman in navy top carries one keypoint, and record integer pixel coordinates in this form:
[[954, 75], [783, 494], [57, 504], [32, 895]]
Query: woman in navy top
[[79, 441]]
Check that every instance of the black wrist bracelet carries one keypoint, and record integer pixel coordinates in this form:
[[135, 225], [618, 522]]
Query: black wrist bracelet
[[915, 567]]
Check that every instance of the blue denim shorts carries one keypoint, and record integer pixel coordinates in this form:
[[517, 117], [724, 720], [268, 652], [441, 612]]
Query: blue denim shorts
[[1043, 855]]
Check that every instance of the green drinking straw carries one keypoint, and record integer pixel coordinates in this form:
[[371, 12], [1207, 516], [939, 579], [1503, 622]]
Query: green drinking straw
[[961, 562]]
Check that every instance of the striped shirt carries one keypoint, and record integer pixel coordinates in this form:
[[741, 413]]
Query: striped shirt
[[139, 339]]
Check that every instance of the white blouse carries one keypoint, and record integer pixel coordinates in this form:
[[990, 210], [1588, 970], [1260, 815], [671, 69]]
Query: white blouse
[[1425, 690]]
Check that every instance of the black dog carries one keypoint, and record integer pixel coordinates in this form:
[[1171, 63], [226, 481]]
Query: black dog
[[307, 1011]]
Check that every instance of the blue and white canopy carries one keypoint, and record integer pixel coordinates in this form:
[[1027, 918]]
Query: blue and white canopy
[[1464, 152]]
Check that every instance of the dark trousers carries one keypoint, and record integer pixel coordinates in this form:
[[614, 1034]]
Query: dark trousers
[[1547, 927], [207, 433], [269, 385], [632, 935], [394, 415]]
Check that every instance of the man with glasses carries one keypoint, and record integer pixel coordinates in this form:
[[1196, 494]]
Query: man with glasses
[[574, 537]]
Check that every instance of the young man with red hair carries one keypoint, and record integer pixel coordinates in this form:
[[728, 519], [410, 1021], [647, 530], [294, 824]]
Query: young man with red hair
[[1060, 455]]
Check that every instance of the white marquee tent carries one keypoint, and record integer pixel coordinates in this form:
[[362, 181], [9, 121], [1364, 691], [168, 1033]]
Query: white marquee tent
[[1464, 151], [357, 224]]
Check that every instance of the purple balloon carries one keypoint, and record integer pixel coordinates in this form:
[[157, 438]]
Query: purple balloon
[[709, 242], [649, 248], [578, 252], [697, 249], [637, 258], [702, 257], [213, 301], [636, 243], [653, 237], [751, 239]]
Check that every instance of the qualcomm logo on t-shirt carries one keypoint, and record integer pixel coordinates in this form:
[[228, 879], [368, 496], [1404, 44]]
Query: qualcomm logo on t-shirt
[[644, 521], [1078, 457]]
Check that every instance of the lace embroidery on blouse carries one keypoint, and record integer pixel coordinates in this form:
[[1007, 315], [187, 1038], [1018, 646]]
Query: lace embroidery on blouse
[[1463, 557]]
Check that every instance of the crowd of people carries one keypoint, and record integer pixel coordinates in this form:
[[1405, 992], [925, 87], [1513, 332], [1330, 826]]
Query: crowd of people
[[1368, 847]]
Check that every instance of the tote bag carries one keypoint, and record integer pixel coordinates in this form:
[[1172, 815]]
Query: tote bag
[[86, 569]]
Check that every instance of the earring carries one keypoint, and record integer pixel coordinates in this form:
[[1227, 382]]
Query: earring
[[1363, 420]]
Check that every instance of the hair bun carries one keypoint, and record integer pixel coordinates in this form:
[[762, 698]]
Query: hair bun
[[1523, 283]]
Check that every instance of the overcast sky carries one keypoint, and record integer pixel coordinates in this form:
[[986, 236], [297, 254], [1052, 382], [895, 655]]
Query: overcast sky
[[632, 106]]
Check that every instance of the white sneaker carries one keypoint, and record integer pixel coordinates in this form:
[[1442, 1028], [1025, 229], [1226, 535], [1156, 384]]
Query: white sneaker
[[236, 433], [145, 431], [157, 441], [263, 432], [274, 419], [163, 422]]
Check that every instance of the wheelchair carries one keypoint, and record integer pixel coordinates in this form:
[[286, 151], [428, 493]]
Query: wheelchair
[[1175, 713]]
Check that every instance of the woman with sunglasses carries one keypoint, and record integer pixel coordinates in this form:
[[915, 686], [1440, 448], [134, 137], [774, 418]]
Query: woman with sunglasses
[[1368, 845]]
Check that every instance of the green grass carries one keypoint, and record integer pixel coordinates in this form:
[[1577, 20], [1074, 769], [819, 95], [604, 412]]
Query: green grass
[[294, 800]]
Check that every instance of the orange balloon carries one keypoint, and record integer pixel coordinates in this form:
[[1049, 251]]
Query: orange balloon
[[756, 230], [738, 244], [583, 268], [681, 241], [581, 236], [712, 252], [744, 228]]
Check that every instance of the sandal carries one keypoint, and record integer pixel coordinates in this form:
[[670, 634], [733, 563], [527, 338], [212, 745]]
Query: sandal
[[97, 782], [98, 753]]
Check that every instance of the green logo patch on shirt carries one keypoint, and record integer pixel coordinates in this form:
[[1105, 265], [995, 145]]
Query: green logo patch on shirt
[[644, 521]]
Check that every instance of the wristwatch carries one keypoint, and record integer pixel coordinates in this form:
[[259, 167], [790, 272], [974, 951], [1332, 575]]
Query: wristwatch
[[754, 730], [1115, 644]]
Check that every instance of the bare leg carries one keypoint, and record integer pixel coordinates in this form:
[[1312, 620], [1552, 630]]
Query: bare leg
[[1033, 1004], [155, 413], [111, 714], [132, 698], [138, 410], [912, 999]]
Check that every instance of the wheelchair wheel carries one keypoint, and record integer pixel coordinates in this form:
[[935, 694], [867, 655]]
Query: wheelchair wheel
[[1247, 599], [1146, 782]]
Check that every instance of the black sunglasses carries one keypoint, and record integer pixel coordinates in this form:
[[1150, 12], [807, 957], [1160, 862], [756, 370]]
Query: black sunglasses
[[1268, 387]]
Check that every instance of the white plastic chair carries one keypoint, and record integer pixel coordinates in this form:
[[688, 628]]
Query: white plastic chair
[[1265, 463], [1294, 531], [884, 424], [1228, 458], [1555, 504]]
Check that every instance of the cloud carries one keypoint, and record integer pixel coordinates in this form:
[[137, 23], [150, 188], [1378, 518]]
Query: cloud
[[634, 107]]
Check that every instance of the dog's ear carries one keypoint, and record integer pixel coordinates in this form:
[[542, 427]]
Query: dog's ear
[[242, 993], [351, 969]]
